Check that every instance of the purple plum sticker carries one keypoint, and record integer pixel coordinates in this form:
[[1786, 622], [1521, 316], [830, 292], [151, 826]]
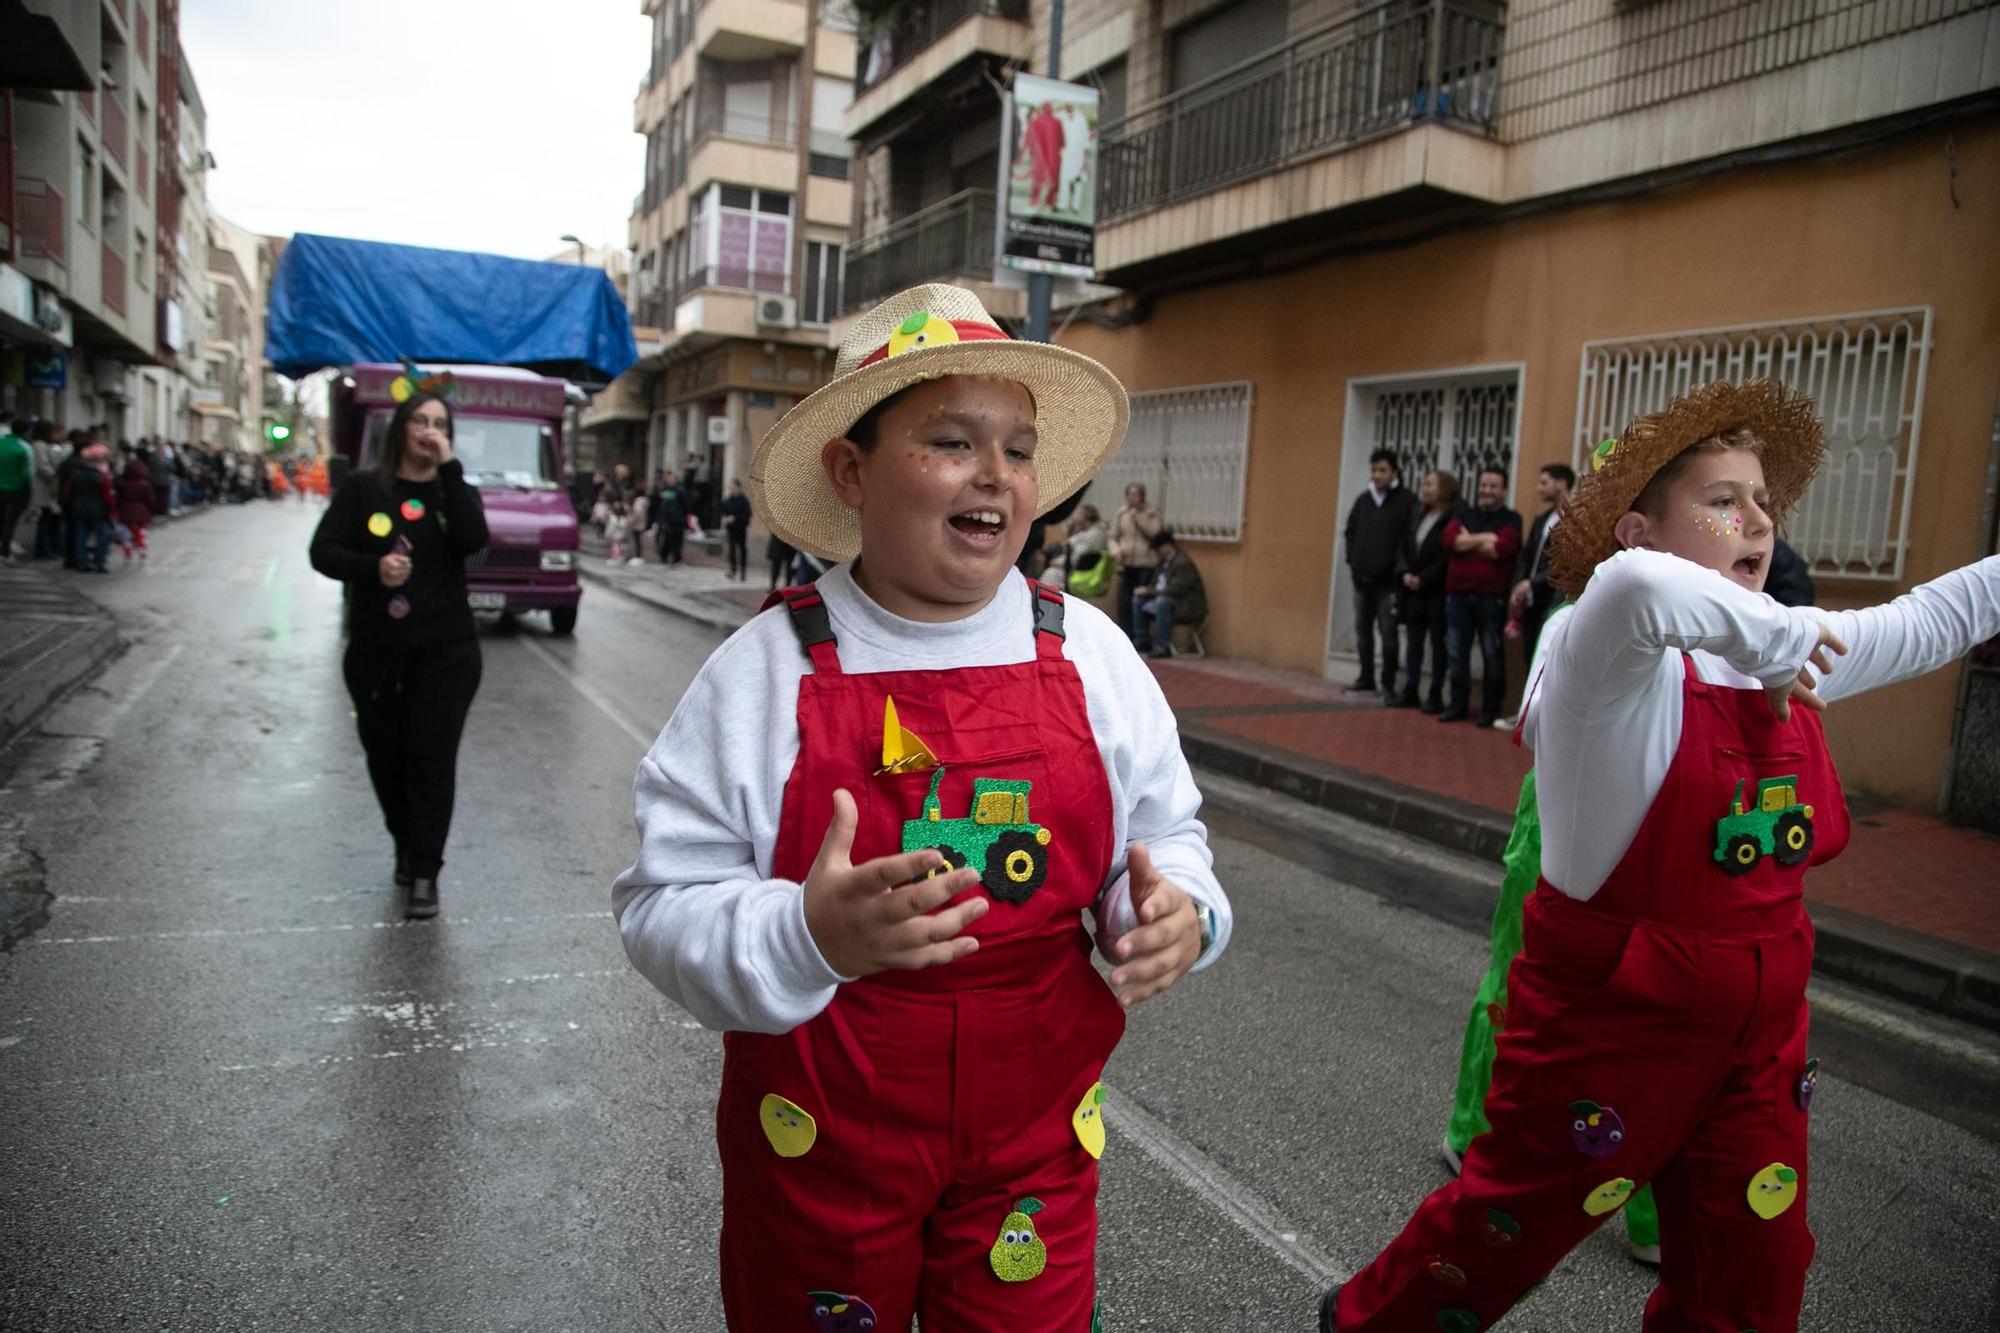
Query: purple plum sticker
[[835, 1313], [1595, 1130], [399, 606], [1808, 1084]]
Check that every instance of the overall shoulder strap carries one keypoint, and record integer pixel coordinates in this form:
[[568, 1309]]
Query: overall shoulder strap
[[1048, 620], [810, 622]]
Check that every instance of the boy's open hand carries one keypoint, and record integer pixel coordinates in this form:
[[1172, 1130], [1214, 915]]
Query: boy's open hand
[[1166, 942], [871, 917], [1804, 686]]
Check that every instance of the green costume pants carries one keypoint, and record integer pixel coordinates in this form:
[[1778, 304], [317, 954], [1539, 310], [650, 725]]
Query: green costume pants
[[1523, 862]]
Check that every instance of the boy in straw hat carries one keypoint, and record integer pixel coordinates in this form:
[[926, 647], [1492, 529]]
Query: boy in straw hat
[[1655, 1028], [870, 828]]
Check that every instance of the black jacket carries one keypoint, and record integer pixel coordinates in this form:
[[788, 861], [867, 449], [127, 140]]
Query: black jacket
[[736, 512], [1375, 531], [1427, 560], [1788, 582], [450, 526]]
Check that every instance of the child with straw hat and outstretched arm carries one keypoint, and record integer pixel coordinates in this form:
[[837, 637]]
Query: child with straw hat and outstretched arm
[[869, 831], [1655, 1027]]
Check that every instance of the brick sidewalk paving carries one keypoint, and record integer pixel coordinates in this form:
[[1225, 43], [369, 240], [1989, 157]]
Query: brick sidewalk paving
[[1902, 868]]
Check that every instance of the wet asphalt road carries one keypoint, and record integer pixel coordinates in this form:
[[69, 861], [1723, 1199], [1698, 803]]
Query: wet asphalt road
[[236, 1091]]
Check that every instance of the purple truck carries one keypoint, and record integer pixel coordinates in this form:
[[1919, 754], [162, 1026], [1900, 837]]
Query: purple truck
[[507, 430]]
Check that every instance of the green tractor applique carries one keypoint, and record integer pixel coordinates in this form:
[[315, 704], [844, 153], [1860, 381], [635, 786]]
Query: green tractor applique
[[1011, 854], [1778, 826]]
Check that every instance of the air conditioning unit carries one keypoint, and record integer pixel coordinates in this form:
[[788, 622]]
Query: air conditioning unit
[[778, 312]]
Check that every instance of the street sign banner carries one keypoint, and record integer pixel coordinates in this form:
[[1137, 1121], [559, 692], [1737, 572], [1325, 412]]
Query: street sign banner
[[1048, 178]]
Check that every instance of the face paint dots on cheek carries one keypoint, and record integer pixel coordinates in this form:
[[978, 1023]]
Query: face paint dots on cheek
[[1717, 525]]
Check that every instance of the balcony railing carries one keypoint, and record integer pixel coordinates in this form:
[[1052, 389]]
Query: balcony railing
[[143, 171], [115, 131], [44, 225], [951, 237], [892, 40], [1375, 71], [114, 279], [88, 101], [745, 126]]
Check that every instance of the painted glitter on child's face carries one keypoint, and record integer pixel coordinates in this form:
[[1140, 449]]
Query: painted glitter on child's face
[[1716, 513], [946, 494]]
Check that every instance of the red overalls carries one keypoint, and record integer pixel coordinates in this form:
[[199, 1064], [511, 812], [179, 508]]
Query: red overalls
[[1656, 1033], [940, 1150]]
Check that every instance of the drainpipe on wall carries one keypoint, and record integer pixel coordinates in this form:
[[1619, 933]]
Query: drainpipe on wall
[[1989, 543], [807, 92]]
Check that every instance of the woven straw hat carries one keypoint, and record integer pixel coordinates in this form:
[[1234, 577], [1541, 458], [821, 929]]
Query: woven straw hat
[[922, 334], [1784, 420]]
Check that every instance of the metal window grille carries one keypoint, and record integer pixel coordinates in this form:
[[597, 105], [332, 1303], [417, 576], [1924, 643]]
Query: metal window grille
[[1458, 428], [1865, 372], [1189, 448]]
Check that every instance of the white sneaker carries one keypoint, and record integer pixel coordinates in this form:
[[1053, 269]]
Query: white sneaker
[[1645, 1254], [1507, 723], [636, 561], [1452, 1158]]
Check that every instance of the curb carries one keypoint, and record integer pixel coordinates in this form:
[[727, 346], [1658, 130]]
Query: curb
[[1935, 975], [689, 606]]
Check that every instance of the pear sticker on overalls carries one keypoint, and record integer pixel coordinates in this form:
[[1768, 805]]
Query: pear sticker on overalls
[[1019, 1255]]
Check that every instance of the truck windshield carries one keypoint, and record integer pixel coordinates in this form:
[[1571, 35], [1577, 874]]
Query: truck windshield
[[496, 451]]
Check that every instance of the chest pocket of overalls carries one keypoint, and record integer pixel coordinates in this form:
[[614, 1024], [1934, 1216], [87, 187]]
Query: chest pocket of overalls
[[1768, 820], [980, 809]]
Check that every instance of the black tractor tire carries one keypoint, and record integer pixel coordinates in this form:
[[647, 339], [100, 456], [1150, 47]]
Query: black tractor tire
[[1794, 839], [954, 859], [1734, 861], [562, 620], [1011, 885]]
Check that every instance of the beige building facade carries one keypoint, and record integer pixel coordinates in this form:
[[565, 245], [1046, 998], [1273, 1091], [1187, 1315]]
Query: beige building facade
[[737, 235], [1483, 235]]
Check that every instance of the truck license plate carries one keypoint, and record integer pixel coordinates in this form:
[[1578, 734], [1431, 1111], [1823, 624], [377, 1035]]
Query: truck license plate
[[487, 601]]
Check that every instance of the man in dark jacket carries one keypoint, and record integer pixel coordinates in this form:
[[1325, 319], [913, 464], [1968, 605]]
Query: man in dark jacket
[[1484, 543], [669, 509], [1375, 528], [1533, 594], [1178, 595]]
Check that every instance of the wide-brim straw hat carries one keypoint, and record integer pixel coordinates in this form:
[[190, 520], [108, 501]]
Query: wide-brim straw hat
[[923, 334], [1784, 420]]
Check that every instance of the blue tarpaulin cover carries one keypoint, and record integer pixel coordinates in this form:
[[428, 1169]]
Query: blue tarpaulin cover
[[336, 302]]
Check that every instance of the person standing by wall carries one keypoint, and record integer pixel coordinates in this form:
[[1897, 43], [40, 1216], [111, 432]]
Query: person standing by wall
[[1533, 594], [1420, 564], [17, 482], [1483, 542], [49, 452], [736, 527], [137, 502], [669, 508], [398, 535], [1375, 528], [1132, 531], [87, 493]]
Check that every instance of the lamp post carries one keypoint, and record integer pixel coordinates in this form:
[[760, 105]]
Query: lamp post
[[579, 247], [575, 442]]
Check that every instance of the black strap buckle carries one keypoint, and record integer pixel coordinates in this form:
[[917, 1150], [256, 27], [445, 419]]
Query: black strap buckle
[[1049, 614]]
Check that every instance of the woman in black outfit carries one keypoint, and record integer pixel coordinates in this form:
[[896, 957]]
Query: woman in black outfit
[[1420, 562], [398, 536]]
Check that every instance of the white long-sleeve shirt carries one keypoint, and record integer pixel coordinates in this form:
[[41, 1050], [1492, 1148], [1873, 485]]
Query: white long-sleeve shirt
[[1606, 716], [702, 915]]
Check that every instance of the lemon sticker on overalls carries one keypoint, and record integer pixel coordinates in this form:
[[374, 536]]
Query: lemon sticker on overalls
[[791, 1130], [1608, 1197], [380, 525], [1773, 1190], [835, 1313], [1018, 1255], [1088, 1120]]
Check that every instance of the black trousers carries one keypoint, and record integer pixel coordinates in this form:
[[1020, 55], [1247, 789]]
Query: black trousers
[[739, 550], [1375, 608], [1133, 581], [1427, 632], [411, 701]]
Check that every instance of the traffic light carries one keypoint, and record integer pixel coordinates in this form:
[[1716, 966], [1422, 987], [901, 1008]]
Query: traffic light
[[277, 432]]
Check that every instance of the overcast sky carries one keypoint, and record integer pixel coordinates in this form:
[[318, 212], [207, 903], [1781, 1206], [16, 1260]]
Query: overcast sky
[[492, 125]]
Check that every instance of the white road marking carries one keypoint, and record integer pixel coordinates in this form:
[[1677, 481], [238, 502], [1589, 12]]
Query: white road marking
[[253, 931], [597, 697], [1882, 1020], [1222, 1191]]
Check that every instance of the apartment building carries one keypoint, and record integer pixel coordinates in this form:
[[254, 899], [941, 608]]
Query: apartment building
[[91, 204], [165, 400], [737, 235], [236, 381], [1483, 234]]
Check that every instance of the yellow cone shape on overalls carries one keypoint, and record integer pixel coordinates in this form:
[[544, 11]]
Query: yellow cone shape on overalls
[[902, 751], [1019, 1255], [1773, 1190], [788, 1127], [1088, 1120]]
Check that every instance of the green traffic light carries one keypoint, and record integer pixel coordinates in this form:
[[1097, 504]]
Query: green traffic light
[[280, 432]]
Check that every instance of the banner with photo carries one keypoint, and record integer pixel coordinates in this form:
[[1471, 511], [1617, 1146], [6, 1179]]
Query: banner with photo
[[1048, 178]]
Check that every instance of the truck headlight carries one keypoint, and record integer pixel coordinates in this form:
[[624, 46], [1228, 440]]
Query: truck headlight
[[559, 560]]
